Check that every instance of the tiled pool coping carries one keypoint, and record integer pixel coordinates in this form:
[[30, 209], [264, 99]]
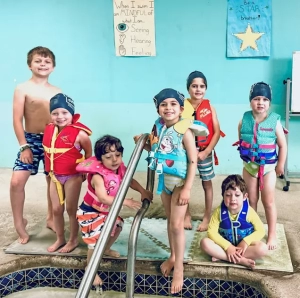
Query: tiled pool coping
[[116, 281]]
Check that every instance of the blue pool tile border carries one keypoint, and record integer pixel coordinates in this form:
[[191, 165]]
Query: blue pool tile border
[[144, 283]]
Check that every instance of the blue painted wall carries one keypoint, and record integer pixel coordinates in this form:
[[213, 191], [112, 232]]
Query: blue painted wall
[[114, 94]]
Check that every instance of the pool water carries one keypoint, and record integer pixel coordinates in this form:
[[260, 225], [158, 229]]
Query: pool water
[[61, 279]]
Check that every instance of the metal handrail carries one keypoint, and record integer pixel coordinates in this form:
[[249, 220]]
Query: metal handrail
[[96, 258], [133, 236]]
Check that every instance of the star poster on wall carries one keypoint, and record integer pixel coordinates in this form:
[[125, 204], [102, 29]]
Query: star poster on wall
[[249, 28]]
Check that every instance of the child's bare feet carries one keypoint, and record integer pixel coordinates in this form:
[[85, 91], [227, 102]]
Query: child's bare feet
[[70, 246], [203, 225], [56, 245], [166, 267], [177, 281], [213, 259], [23, 237], [272, 243], [247, 263], [188, 222], [97, 281], [112, 253]]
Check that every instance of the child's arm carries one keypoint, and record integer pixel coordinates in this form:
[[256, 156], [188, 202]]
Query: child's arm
[[101, 193], [85, 143], [190, 147], [213, 230], [18, 115], [216, 135], [282, 149], [145, 194], [259, 230]]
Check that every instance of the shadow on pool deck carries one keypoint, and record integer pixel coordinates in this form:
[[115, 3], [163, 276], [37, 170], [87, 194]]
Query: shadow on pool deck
[[272, 283]]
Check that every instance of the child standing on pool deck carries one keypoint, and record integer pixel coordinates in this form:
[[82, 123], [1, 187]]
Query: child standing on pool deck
[[30, 117], [205, 112], [259, 132], [64, 139], [173, 154]]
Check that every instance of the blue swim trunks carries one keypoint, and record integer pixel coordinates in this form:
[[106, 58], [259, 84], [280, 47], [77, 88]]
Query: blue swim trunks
[[35, 141]]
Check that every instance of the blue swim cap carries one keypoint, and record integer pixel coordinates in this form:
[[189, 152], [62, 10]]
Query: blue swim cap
[[62, 101], [168, 93], [193, 75], [260, 89]]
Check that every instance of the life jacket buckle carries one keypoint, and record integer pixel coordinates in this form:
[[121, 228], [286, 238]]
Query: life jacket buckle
[[151, 154], [159, 168], [253, 153]]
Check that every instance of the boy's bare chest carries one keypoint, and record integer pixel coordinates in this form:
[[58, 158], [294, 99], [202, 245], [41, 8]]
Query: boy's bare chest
[[39, 96], [43, 94]]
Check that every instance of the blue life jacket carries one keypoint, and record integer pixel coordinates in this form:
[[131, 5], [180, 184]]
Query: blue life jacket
[[235, 230], [168, 155]]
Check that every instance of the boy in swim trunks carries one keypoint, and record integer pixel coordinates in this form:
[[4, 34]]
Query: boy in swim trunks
[[260, 132], [31, 105], [105, 174]]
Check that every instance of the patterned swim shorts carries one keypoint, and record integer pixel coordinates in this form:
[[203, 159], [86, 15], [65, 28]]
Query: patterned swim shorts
[[91, 223], [35, 141], [206, 168]]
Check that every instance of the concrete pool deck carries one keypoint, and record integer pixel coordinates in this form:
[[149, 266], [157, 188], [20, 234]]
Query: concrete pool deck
[[272, 283]]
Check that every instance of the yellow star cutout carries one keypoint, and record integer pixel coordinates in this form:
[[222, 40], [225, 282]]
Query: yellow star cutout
[[249, 38]]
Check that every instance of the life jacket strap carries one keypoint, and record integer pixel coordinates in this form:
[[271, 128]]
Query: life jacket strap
[[60, 190]]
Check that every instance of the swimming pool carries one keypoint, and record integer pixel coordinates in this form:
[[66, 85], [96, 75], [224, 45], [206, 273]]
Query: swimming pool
[[116, 281]]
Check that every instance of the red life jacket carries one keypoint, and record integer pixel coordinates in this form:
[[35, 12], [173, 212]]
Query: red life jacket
[[203, 113], [61, 156]]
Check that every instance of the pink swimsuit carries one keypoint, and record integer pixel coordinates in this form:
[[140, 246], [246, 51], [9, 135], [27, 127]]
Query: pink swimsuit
[[64, 178]]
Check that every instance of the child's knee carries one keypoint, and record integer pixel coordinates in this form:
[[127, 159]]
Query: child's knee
[[268, 203], [18, 181], [262, 249], [176, 227], [57, 210], [16, 185], [204, 243], [71, 210]]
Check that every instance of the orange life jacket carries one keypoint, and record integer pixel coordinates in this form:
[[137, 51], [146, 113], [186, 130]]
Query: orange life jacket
[[61, 156]]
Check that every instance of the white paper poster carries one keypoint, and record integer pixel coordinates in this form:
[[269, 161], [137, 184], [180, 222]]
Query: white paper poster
[[134, 27], [296, 83]]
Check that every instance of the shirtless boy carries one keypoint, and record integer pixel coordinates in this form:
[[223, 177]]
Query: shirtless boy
[[31, 105]]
